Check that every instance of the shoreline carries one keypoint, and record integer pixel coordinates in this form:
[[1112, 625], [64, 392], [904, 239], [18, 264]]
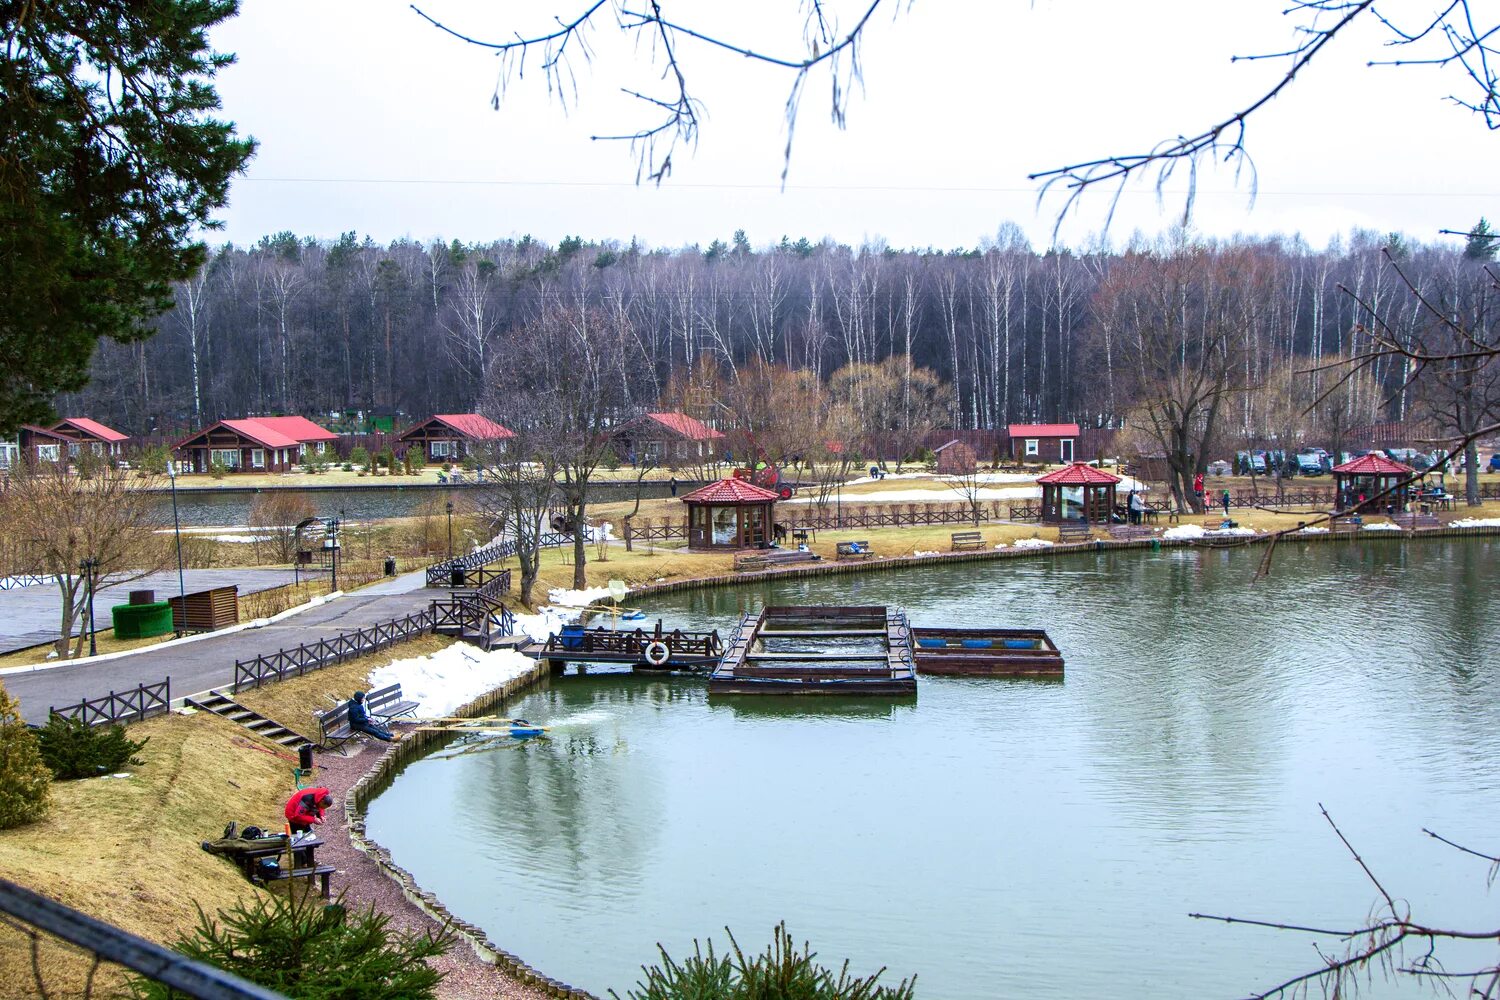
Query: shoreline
[[507, 971]]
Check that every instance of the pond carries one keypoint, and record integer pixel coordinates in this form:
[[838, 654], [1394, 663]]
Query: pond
[[1010, 839]]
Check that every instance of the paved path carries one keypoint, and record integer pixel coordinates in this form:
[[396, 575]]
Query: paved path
[[32, 615], [209, 662]]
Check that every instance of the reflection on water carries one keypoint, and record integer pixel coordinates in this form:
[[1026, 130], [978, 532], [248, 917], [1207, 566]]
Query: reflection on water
[[1009, 839]]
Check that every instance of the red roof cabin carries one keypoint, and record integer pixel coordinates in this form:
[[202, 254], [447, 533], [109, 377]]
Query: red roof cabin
[[64, 440], [730, 514], [1078, 493], [1045, 444], [670, 439], [1356, 482], [255, 444], [449, 437]]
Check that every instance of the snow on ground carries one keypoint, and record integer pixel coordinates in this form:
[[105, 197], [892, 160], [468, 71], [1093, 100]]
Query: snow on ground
[[1032, 543], [930, 496], [579, 598], [1196, 531], [919, 552], [546, 623], [451, 677], [1476, 522], [1313, 529], [889, 475], [1382, 526]]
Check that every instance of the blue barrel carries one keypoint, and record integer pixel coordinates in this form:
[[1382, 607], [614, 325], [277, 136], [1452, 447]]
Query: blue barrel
[[572, 637]]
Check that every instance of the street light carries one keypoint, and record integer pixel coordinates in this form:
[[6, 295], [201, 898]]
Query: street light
[[88, 566], [449, 505], [332, 544], [177, 531]]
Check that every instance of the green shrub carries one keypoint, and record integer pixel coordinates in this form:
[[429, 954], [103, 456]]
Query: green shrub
[[780, 973], [25, 782], [360, 456], [218, 469], [470, 464], [73, 749], [304, 949], [447, 466], [348, 466], [611, 460], [387, 458], [416, 459], [153, 459]]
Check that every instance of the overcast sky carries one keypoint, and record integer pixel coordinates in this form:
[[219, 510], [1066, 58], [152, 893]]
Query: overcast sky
[[371, 120]]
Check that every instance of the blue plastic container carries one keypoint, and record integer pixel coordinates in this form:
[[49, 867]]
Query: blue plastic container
[[572, 637]]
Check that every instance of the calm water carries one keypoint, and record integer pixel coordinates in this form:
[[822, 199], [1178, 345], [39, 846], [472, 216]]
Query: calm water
[[1011, 839]]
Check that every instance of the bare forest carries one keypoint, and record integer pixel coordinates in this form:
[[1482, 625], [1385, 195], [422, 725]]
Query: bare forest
[[1009, 333]]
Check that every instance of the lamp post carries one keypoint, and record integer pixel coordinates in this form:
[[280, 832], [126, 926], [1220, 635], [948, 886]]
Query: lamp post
[[449, 506], [177, 531], [88, 566], [332, 544]]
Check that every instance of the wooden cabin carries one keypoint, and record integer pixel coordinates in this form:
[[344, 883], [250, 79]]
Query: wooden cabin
[[42, 444], [670, 439], [451, 437], [92, 435], [255, 444], [1042, 444]]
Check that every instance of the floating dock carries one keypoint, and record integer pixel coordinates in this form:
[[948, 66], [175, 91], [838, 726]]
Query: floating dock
[[986, 652], [644, 650], [818, 650]]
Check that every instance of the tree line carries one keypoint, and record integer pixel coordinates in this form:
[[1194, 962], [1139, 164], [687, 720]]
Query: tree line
[[296, 325]]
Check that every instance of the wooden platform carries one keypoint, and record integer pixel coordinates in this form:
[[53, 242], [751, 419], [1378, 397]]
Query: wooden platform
[[862, 650], [691, 651], [985, 652]]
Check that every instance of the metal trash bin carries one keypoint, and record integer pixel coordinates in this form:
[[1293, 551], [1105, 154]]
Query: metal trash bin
[[456, 577], [390, 565]]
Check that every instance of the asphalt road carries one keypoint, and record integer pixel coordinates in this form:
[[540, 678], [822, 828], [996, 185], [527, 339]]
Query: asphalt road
[[32, 615], [209, 662]]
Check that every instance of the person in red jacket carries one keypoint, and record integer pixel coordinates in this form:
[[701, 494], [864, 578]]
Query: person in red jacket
[[306, 808]]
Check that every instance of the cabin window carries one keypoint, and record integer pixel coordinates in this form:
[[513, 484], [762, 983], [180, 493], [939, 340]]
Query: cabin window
[[257, 458], [442, 449], [227, 457], [726, 526], [1033, 446], [47, 452], [73, 450]]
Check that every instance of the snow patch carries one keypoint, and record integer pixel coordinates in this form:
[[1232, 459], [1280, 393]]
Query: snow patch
[[931, 496], [920, 552], [1032, 543], [1476, 522], [1313, 529], [889, 475], [546, 623], [452, 677], [580, 598], [1382, 526]]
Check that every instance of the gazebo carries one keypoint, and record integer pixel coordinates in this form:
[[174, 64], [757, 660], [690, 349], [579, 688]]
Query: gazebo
[[1078, 493], [730, 514], [1354, 482]]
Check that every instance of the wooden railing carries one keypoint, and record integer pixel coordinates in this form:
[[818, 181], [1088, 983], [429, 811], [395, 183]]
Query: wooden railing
[[474, 616], [24, 580], [441, 574], [605, 640], [120, 706], [315, 655]]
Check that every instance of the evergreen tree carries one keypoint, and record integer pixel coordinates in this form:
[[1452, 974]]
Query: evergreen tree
[[1481, 245], [25, 781], [110, 161]]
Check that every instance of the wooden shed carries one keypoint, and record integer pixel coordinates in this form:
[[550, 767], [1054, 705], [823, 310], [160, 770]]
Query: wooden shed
[[1047, 444], [449, 437], [1078, 493], [92, 435], [730, 514]]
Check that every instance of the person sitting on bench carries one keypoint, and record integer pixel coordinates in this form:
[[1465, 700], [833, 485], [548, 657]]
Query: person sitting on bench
[[360, 721], [306, 807]]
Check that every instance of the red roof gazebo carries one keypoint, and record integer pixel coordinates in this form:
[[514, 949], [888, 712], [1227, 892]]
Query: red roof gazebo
[[1364, 477], [1078, 493], [730, 514]]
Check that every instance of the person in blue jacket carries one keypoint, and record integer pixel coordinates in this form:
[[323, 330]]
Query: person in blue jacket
[[360, 721]]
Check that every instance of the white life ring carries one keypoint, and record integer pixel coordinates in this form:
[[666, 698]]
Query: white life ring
[[656, 653]]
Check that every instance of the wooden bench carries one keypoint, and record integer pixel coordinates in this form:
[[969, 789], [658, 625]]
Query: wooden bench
[[386, 703], [251, 855], [1074, 531], [967, 540], [261, 874], [1414, 519], [773, 557], [333, 726], [852, 550]]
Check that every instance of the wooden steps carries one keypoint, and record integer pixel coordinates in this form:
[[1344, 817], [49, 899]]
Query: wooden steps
[[221, 704]]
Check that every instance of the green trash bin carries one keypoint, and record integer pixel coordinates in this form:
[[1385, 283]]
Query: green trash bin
[[141, 621]]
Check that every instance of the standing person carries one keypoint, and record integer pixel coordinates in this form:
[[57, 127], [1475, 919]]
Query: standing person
[[306, 808], [1198, 486], [1137, 507], [1225, 499], [360, 721], [674, 485]]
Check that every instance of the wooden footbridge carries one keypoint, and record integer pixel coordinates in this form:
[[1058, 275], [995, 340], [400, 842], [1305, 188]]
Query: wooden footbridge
[[863, 650], [642, 650]]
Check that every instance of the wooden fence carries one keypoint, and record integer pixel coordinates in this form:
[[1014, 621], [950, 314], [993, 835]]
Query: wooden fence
[[24, 580], [443, 574], [299, 660], [120, 706]]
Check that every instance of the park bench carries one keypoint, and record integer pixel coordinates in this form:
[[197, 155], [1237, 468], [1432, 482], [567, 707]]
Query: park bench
[[773, 557], [386, 703], [853, 550], [1074, 531], [967, 540], [261, 859], [333, 726], [1415, 519], [1351, 522]]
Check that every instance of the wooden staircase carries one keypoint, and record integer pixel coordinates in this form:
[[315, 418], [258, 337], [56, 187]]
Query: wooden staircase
[[221, 704]]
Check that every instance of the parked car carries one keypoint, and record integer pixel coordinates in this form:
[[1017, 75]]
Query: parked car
[[1310, 464]]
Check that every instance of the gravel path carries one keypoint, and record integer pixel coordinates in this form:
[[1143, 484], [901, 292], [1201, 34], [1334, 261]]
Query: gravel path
[[363, 883]]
